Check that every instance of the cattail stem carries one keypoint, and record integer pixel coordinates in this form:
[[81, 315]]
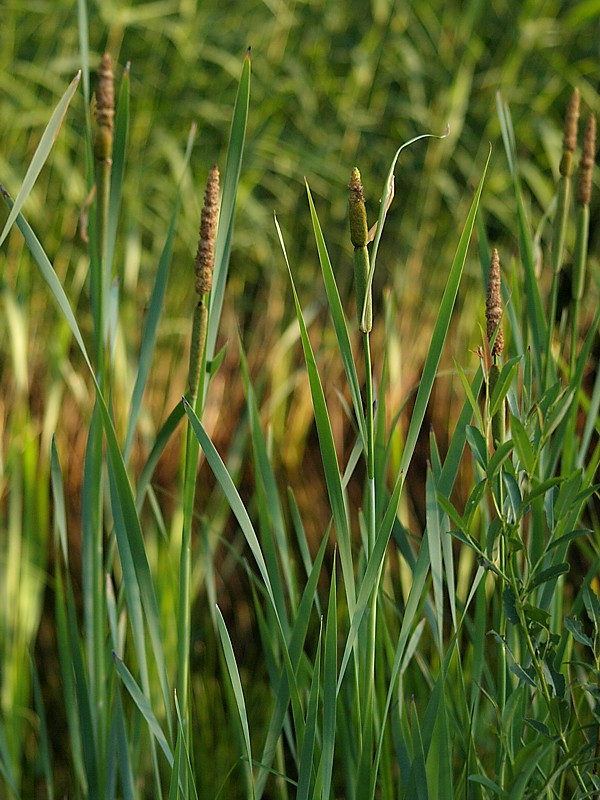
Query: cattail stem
[[499, 418], [560, 223], [584, 189], [558, 244], [198, 343], [204, 264], [364, 303], [103, 146]]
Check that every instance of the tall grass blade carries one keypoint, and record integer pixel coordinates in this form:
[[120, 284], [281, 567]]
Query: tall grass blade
[[310, 730], [231, 493], [386, 199], [230, 183], [143, 704], [273, 509], [535, 312], [58, 497], [327, 447], [135, 543], [329, 690], [122, 746], [283, 691], [49, 275], [44, 740], [6, 768], [238, 691], [41, 155], [153, 316], [117, 172], [161, 440], [339, 320], [84, 52], [435, 554], [89, 743], [441, 328]]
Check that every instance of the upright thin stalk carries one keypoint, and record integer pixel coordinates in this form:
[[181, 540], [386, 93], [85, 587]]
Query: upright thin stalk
[[103, 147], [359, 236], [560, 221], [495, 335], [196, 376], [584, 190]]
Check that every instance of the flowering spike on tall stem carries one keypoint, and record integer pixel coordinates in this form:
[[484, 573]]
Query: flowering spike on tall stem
[[586, 165], [493, 315], [205, 256], [359, 236], [493, 306], [570, 134], [204, 263], [105, 110]]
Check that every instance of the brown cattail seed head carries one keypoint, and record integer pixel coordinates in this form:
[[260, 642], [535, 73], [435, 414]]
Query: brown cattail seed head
[[586, 165], [570, 134], [493, 306], [357, 211], [105, 110], [205, 257]]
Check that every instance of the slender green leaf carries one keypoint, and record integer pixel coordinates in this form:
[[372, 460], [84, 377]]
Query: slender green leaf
[[548, 575], [489, 784], [144, 706], [339, 321], [310, 731], [235, 502], [153, 317], [44, 741], [274, 512], [441, 329], [478, 446], [117, 172], [327, 446], [230, 184], [329, 690], [282, 695], [386, 199], [41, 155], [435, 554], [234, 677]]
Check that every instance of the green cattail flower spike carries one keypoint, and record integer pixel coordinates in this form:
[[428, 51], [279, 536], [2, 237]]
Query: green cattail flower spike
[[204, 263], [586, 166], [570, 135], [493, 306], [205, 256], [359, 236], [584, 191], [493, 315], [105, 110]]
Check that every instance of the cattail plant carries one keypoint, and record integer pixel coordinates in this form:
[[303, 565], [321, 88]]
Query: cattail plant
[[560, 224], [495, 335], [584, 190], [359, 236], [205, 258], [102, 148], [103, 142], [204, 263]]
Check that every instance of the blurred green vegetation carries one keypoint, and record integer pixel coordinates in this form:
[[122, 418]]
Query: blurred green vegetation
[[333, 85]]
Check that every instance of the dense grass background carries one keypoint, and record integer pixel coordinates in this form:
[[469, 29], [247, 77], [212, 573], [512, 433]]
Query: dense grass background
[[333, 85]]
